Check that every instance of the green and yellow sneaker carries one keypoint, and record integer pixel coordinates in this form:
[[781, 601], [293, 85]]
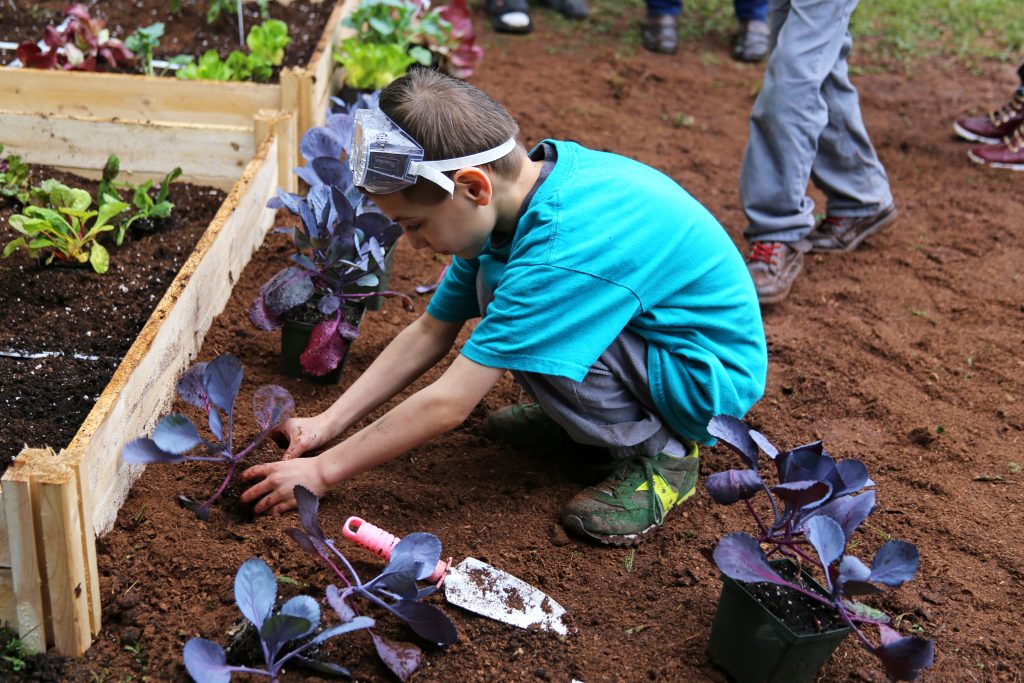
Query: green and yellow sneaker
[[624, 508]]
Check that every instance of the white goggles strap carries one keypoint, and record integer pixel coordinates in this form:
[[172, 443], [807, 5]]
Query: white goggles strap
[[434, 170]]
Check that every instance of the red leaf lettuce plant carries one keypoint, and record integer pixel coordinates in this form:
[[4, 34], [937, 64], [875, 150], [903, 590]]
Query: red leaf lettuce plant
[[818, 516], [298, 619], [412, 559], [340, 245], [211, 386], [79, 45]]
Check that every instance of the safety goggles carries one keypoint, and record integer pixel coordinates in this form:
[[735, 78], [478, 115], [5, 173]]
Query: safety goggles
[[384, 158]]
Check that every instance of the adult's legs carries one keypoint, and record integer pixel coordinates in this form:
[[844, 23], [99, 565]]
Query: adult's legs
[[660, 30], [751, 10]]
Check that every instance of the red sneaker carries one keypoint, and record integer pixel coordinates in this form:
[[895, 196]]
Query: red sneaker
[[1008, 154], [995, 125]]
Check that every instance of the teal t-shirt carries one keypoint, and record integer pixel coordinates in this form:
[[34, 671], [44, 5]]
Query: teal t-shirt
[[607, 243]]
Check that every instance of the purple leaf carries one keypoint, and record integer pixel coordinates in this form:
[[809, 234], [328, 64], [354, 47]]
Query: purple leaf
[[332, 173], [854, 476], [802, 494], [895, 563], [304, 262], [308, 505], [280, 629], [303, 540], [325, 349], [733, 485], [736, 436], [807, 462], [290, 288], [222, 379], [326, 668], [354, 625], [287, 200], [341, 125], [379, 226], [827, 538], [206, 662], [427, 621], [190, 386], [145, 452], [255, 591], [262, 317], [402, 658], [767, 446], [338, 604], [320, 142], [739, 556], [422, 549], [904, 658], [304, 607], [176, 434], [201, 510], [853, 577], [328, 305], [308, 176], [849, 511], [272, 405]]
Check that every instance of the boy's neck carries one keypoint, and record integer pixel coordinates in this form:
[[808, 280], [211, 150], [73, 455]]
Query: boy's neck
[[509, 196]]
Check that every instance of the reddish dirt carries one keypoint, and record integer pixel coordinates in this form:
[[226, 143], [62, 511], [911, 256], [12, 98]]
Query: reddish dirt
[[906, 354]]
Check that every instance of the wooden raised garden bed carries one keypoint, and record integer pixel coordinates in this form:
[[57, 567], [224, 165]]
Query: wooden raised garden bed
[[54, 504], [129, 97]]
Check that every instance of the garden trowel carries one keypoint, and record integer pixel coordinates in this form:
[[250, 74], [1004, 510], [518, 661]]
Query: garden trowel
[[474, 585]]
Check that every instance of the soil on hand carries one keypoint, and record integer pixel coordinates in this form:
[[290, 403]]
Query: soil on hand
[[917, 333], [82, 322], [185, 32]]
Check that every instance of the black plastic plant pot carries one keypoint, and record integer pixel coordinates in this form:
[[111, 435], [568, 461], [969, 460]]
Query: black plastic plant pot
[[377, 302], [295, 336], [755, 646]]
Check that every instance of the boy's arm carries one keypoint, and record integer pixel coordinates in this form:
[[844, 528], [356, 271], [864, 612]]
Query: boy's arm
[[412, 352], [442, 406]]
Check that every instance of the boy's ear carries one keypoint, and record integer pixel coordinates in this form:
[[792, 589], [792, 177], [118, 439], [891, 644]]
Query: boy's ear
[[475, 183]]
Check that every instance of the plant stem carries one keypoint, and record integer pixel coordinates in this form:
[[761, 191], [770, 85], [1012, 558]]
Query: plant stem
[[757, 518], [223, 485]]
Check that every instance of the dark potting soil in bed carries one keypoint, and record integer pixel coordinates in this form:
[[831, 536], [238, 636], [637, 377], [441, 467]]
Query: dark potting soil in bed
[[82, 321], [800, 613], [184, 33]]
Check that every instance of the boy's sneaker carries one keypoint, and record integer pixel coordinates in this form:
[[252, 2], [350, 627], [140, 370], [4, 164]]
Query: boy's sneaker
[[660, 33], [752, 41], [845, 233], [994, 126], [634, 500], [1009, 154], [773, 267], [526, 425]]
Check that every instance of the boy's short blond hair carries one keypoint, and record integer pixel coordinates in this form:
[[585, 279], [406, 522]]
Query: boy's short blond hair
[[450, 118]]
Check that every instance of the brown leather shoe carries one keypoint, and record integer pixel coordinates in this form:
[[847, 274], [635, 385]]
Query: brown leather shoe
[[995, 125], [1009, 154], [773, 267], [845, 233], [661, 33]]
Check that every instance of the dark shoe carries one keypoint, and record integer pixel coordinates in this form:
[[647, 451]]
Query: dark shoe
[[773, 267], [510, 16], [1009, 154], [845, 233], [752, 41], [661, 33], [570, 9], [526, 425], [634, 500], [995, 125]]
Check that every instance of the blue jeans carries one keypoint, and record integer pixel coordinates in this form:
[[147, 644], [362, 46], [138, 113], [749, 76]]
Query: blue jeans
[[806, 125], [746, 10]]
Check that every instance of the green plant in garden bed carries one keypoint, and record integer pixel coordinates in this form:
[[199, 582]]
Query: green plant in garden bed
[[144, 41], [13, 177], [266, 50], [230, 7], [58, 223], [147, 209]]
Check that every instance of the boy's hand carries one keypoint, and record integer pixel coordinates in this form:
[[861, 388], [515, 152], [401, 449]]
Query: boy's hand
[[299, 435], [276, 491]]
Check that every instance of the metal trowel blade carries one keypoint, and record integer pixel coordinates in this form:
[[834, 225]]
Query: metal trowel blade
[[480, 588]]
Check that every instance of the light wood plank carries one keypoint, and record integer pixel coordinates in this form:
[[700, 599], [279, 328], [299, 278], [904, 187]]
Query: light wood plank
[[5, 542], [31, 604], [8, 615]]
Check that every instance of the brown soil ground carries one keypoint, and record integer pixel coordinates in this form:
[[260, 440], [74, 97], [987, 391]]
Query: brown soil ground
[[185, 32], [906, 354]]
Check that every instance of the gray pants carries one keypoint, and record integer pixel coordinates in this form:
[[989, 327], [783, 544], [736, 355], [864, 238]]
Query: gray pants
[[612, 407], [806, 124]]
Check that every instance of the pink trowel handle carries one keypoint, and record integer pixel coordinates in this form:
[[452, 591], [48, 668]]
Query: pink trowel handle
[[376, 540]]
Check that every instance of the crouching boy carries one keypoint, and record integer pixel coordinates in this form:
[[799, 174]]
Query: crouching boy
[[613, 296]]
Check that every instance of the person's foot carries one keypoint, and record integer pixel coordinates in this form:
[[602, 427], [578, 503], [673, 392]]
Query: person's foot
[[773, 267], [526, 425], [995, 125], [845, 233], [570, 9], [510, 16], [1009, 154], [631, 503], [661, 33], [751, 41]]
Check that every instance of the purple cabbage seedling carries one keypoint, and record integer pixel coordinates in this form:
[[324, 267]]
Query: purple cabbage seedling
[[814, 515], [210, 386], [297, 620], [412, 559]]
